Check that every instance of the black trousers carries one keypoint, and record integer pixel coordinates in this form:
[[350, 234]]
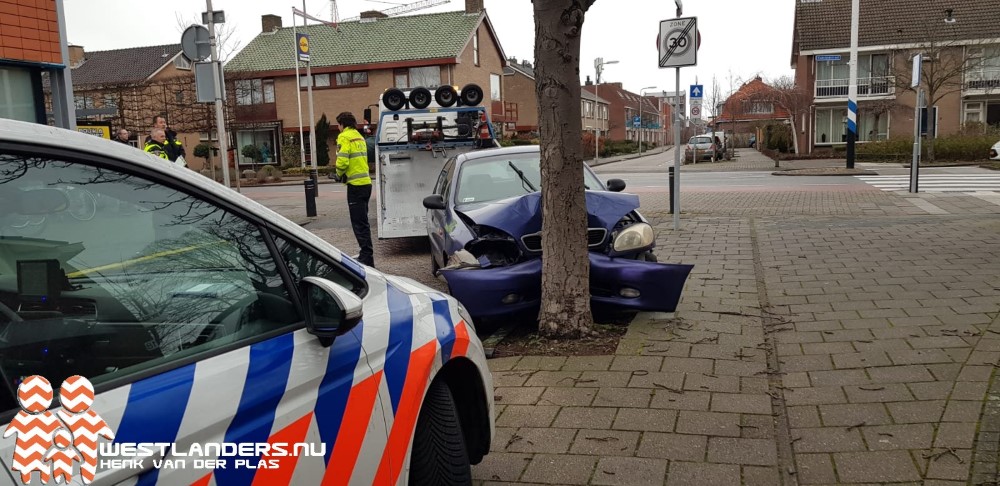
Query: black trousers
[[357, 205]]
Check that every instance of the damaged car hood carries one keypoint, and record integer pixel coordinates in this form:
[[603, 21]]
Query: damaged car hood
[[522, 215]]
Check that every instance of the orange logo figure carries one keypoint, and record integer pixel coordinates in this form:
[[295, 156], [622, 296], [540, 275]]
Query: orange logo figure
[[76, 396], [34, 426], [62, 456]]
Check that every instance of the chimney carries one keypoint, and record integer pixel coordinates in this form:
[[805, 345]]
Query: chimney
[[473, 6], [373, 14], [588, 82], [76, 56], [270, 23]]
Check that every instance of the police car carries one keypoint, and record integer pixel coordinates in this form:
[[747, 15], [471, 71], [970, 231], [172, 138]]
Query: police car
[[226, 344]]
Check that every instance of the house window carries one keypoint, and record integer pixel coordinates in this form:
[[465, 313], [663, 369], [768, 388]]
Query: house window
[[110, 101], [973, 113], [179, 96], [833, 77], [831, 126], [495, 87], [82, 102], [872, 127], [475, 48], [254, 91], [321, 80], [758, 108], [352, 79], [983, 67], [426, 76], [587, 109], [182, 62]]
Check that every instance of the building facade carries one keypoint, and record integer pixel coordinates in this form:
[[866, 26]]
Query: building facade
[[33, 47], [624, 109], [960, 42], [353, 64]]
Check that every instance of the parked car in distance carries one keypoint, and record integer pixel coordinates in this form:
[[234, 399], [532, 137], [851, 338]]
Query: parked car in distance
[[484, 221], [203, 317], [995, 151], [706, 148]]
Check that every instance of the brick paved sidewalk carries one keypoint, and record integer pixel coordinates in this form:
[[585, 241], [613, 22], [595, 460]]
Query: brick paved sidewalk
[[807, 350]]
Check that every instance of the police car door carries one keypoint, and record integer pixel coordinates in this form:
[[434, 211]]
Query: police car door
[[183, 312]]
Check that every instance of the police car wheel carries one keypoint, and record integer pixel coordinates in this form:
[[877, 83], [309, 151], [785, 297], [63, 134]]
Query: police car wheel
[[439, 454]]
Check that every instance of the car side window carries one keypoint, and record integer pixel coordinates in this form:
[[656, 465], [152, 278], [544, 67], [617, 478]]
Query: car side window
[[302, 263], [105, 274], [444, 179]]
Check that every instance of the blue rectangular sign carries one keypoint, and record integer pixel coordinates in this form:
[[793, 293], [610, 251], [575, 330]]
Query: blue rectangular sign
[[828, 57], [697, 90]]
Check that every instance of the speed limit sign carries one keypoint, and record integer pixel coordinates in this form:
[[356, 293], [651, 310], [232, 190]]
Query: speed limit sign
[[678, 42]]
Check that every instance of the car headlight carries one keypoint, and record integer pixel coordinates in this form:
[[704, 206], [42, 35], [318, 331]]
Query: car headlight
[[636, 236]]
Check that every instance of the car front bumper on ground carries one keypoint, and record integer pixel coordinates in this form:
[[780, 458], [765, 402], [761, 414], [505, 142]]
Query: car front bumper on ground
[[618, 283], [995, 152]]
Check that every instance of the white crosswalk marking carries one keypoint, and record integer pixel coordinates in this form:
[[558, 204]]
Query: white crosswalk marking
[[937, 182]]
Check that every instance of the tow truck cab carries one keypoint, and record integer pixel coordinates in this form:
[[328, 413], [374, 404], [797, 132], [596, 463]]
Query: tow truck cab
[[417, 133]]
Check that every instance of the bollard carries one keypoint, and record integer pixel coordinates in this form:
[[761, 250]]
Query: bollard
[[310, 187], [670, 188], [314, 175]]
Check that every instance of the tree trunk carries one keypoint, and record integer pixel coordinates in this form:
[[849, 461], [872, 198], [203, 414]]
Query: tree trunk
[[795, 134], [565, 309]]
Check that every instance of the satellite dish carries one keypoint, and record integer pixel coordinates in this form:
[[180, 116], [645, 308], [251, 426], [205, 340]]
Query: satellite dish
[[196, 43]]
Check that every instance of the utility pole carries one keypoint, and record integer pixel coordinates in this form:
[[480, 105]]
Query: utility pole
[[642, 99], [599, 64], [852, 92]]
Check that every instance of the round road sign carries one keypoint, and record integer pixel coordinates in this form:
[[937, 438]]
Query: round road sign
[[196, 44], [695, 111], [699, 40]]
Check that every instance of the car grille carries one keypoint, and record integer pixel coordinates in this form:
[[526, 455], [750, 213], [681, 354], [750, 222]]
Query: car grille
[[595, 238]]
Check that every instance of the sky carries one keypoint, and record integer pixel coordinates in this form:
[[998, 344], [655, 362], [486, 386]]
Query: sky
[[740, 38]]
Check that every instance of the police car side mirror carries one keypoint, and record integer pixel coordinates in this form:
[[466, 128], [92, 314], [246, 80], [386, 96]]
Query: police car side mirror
[[331, 310]]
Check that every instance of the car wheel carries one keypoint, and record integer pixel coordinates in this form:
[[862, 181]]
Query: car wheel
[[439, 455], [435, 268]]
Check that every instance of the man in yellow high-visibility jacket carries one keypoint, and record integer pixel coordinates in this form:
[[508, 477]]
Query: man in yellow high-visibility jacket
[[352, 169]]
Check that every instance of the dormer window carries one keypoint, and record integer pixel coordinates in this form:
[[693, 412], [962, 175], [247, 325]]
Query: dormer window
[[182, 62]]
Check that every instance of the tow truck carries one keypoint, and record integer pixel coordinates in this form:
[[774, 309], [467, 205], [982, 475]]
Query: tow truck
[[417, 132]]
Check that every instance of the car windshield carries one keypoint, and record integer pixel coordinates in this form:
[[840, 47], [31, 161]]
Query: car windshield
[[495, 178], [695, 140]]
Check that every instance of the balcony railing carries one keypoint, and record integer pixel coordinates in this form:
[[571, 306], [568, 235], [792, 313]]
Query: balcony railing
[[870, 86], [984, 79]]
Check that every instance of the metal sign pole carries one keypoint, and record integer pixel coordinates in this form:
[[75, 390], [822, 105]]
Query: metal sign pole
[[915, 163], [298, 90], [677, 152], [220, 113], [314, 171]]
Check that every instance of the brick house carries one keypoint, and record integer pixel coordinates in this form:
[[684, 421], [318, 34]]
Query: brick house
[[33, 46], [960, 38], [354, 64], [127, 87], [750, 109], [519, 91], [623, 107]]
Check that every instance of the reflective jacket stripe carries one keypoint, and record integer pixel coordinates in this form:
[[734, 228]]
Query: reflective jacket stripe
[[357, 176]]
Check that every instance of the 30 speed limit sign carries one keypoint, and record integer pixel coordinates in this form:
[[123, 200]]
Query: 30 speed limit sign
[[678, 42]]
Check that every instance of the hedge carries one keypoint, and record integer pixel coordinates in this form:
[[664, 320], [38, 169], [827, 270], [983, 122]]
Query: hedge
[[970, 147]]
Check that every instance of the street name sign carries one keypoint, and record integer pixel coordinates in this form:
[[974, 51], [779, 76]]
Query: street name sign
[[828, 57], [678, 42]]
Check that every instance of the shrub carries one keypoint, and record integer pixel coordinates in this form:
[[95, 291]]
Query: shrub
[[959, 147], [299, 171], [778, 138], [269, 173]]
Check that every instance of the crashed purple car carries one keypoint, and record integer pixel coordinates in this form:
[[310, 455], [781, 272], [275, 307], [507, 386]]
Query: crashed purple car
[[484, 221]]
